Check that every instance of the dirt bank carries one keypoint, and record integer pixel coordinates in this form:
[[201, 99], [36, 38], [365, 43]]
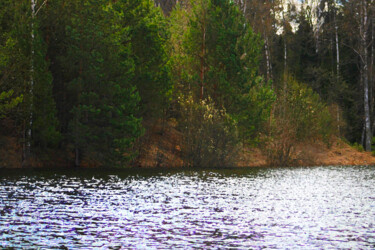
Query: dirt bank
[[163, 148], [315, 154]]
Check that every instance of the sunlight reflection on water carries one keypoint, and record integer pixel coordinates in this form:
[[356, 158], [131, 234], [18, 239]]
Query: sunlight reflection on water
[[321, 207]]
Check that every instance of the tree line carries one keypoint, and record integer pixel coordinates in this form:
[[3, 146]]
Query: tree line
[[86, 77]]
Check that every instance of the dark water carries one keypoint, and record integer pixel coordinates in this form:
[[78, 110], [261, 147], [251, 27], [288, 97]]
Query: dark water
[[303, 208]]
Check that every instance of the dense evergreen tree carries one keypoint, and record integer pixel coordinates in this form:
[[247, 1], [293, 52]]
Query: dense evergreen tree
[[26, 74], [220, 57], [147, 30], [103, 123], [44, 124], [10, 94], [81, 76]]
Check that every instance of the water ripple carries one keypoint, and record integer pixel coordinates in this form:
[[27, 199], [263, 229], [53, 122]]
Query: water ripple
[[304, 208]]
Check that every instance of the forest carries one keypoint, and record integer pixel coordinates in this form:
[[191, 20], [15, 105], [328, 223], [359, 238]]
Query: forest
[[86, 80]]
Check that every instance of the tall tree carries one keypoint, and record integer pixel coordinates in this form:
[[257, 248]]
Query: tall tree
[[10, 90], [97, 67], [223, 49], [357, 18], [262, 16], [43, 121], [147, 29], [28, 75], [222, 55]]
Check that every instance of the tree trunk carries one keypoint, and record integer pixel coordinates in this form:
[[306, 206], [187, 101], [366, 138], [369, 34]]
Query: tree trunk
[[28, 136], [203, 48], [365, 73], [244, 8], [368, 136], [337, 49], [285, 51], [372, 57], [268, 57], [285, 63], [317, 29], [337, 65], [77, 160]]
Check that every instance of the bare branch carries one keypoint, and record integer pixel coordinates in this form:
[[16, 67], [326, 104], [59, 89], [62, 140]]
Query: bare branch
[[356, 51], [40, 7]]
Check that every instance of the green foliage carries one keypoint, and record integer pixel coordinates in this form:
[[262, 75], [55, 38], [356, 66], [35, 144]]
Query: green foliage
[[104, 120], [25, 74], [44, 121], [7, 102], [298, 116], [179, 61], [147, 33], [214, 53], [303, 107], [358, 147], [210, 134], [255, 111], [95, 69], [222, 49], [14, 63]]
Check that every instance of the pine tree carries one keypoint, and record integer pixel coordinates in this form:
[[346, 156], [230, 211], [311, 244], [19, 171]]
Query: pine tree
[[26, 74], [10, 95], [102, 123], [45, 124], [147, 30], [219, 60]]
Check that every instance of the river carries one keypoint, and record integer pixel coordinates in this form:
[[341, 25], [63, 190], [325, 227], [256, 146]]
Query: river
[[283, 208]]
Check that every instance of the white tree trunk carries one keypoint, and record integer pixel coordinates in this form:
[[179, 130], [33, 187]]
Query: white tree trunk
[[203, 53], [365, 73], [371, 76], [268, 62], [242, 4], [337, 66], [29, 130], [337, 48], [285, 56], [318, 29]]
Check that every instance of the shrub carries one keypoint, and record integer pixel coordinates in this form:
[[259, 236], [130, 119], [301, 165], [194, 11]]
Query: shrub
[[254, 107], [358, 147], [210, 134], [298, 116]]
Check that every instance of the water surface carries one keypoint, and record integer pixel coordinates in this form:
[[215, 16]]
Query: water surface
[[304, 208]]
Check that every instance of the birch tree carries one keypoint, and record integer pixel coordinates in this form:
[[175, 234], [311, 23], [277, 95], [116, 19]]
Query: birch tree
[[358, 23], [40, 122], [262, 16], [363, 30]]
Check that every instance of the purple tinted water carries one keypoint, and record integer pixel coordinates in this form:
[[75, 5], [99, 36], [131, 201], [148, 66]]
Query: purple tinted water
[[295, 208]]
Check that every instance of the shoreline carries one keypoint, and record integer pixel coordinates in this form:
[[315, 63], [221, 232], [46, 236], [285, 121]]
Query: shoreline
[[162, 148]]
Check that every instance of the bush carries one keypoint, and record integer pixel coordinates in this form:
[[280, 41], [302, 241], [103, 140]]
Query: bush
[[279, 145], [210, 134], [253, 111], [298, 116], [358, 147]]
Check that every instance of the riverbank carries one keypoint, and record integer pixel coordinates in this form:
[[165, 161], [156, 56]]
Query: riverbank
[[315, 154], [164, 143], [162, 146]]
